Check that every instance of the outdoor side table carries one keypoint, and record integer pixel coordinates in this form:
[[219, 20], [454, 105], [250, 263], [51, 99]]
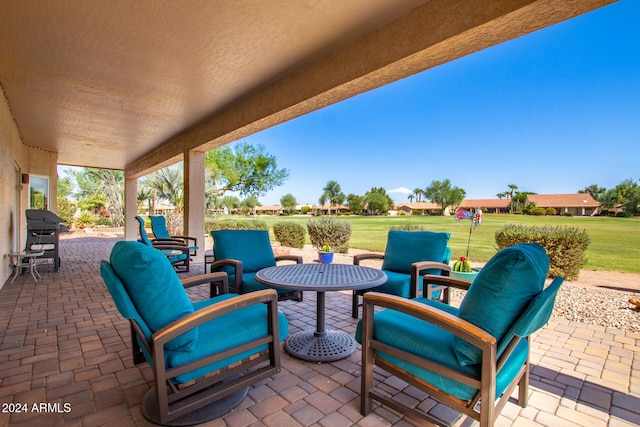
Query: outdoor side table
[[25, 259], [321, 345]]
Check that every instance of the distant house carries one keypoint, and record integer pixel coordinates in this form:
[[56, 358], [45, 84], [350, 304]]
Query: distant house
[[158, 209], [576, 204], [326, 209], [487, 205], [418, 208], [270, 210]]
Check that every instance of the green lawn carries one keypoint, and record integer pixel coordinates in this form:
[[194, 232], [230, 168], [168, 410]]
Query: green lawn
[[615, 242]]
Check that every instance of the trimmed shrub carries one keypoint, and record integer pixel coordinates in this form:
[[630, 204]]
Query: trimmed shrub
[[565, 246], [289, 233], [234, 224], [538, 211], [334, 231], [551, 211]]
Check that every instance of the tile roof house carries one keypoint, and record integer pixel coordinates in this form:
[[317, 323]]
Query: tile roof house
[[487, 205], [576, 204], [417, 208]]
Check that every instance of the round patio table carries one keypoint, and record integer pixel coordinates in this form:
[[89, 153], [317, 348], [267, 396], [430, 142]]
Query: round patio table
[[321, 345], [25, 259]]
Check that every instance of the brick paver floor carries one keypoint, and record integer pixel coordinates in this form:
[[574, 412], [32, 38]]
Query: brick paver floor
[[65, 360]]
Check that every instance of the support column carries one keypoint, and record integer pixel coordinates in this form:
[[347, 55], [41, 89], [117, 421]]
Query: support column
[[194, 184], [130, 208]]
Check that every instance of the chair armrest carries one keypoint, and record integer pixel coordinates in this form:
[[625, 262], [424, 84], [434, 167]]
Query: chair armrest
[[237, 271], [420, 266], [219, 282], [171, 246], [296, 258], [455, 325], [167, 240], [193, 239], [442, 283], [361, 257]]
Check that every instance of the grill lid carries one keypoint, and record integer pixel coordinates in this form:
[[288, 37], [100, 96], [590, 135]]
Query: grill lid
[[42, 218]]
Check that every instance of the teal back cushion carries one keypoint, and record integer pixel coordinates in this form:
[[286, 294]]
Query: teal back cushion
[[406, 247], [154, 289], [142, 231], [159, 226], [252, 247], [500, 293]]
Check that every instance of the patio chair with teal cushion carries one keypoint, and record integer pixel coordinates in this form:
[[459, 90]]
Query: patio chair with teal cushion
[[408, 257], [478, 352], [177, 253], [241, 254], [161, 233], [203, 355]]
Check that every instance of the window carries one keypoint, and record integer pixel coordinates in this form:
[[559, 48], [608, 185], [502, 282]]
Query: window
[[39, 192]]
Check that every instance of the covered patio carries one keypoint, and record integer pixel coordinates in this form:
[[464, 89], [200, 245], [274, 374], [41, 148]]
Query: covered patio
[[65, 349]]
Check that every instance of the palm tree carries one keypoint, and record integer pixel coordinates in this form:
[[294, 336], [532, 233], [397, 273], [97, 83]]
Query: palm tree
[[419, 192], [168, 185], [333, 194], [410, 197], [512, 189]]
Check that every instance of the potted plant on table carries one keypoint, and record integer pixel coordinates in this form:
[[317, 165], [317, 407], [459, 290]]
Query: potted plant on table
[[325, 254], [462, 268]]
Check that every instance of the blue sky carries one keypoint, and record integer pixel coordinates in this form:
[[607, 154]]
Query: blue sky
[[551, 112]]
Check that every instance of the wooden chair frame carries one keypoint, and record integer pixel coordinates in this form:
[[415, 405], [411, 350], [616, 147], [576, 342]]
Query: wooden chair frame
[[179, 240], [181, 266], [236, 287], [174, 401], [416, 269], [490, 365]]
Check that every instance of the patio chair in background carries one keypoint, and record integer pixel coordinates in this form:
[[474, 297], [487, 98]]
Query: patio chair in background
[[477, 353], [177, 253], [159, 228], [199, 373], [241, 254], [408, 256]]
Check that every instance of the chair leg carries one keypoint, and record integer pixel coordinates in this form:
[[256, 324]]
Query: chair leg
[[355, 303], [523, 387], [366, 376]]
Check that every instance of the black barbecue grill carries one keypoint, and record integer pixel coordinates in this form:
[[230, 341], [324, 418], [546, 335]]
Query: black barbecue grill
[[43, 230]]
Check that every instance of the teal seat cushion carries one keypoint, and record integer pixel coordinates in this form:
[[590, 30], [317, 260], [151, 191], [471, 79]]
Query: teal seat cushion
[[250, 284], [427, 341], [501, 292], [252, 247], [154, 288], [246, 324], [400, 284], [406, 247]]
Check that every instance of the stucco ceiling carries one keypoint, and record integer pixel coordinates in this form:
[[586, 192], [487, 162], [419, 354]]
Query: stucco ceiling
[[103, 82], [106, 83]]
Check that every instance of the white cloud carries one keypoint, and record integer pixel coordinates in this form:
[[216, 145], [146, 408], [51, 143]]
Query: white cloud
[[401, 190]]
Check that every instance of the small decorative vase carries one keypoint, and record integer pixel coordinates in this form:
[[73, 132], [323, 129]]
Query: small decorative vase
[[325, 257]]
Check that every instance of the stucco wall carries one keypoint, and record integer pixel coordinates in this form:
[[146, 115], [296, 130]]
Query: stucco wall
[[15, 156], [12, 156]]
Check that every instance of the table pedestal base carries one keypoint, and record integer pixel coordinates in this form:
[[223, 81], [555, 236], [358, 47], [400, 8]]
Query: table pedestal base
[[320, 347]]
